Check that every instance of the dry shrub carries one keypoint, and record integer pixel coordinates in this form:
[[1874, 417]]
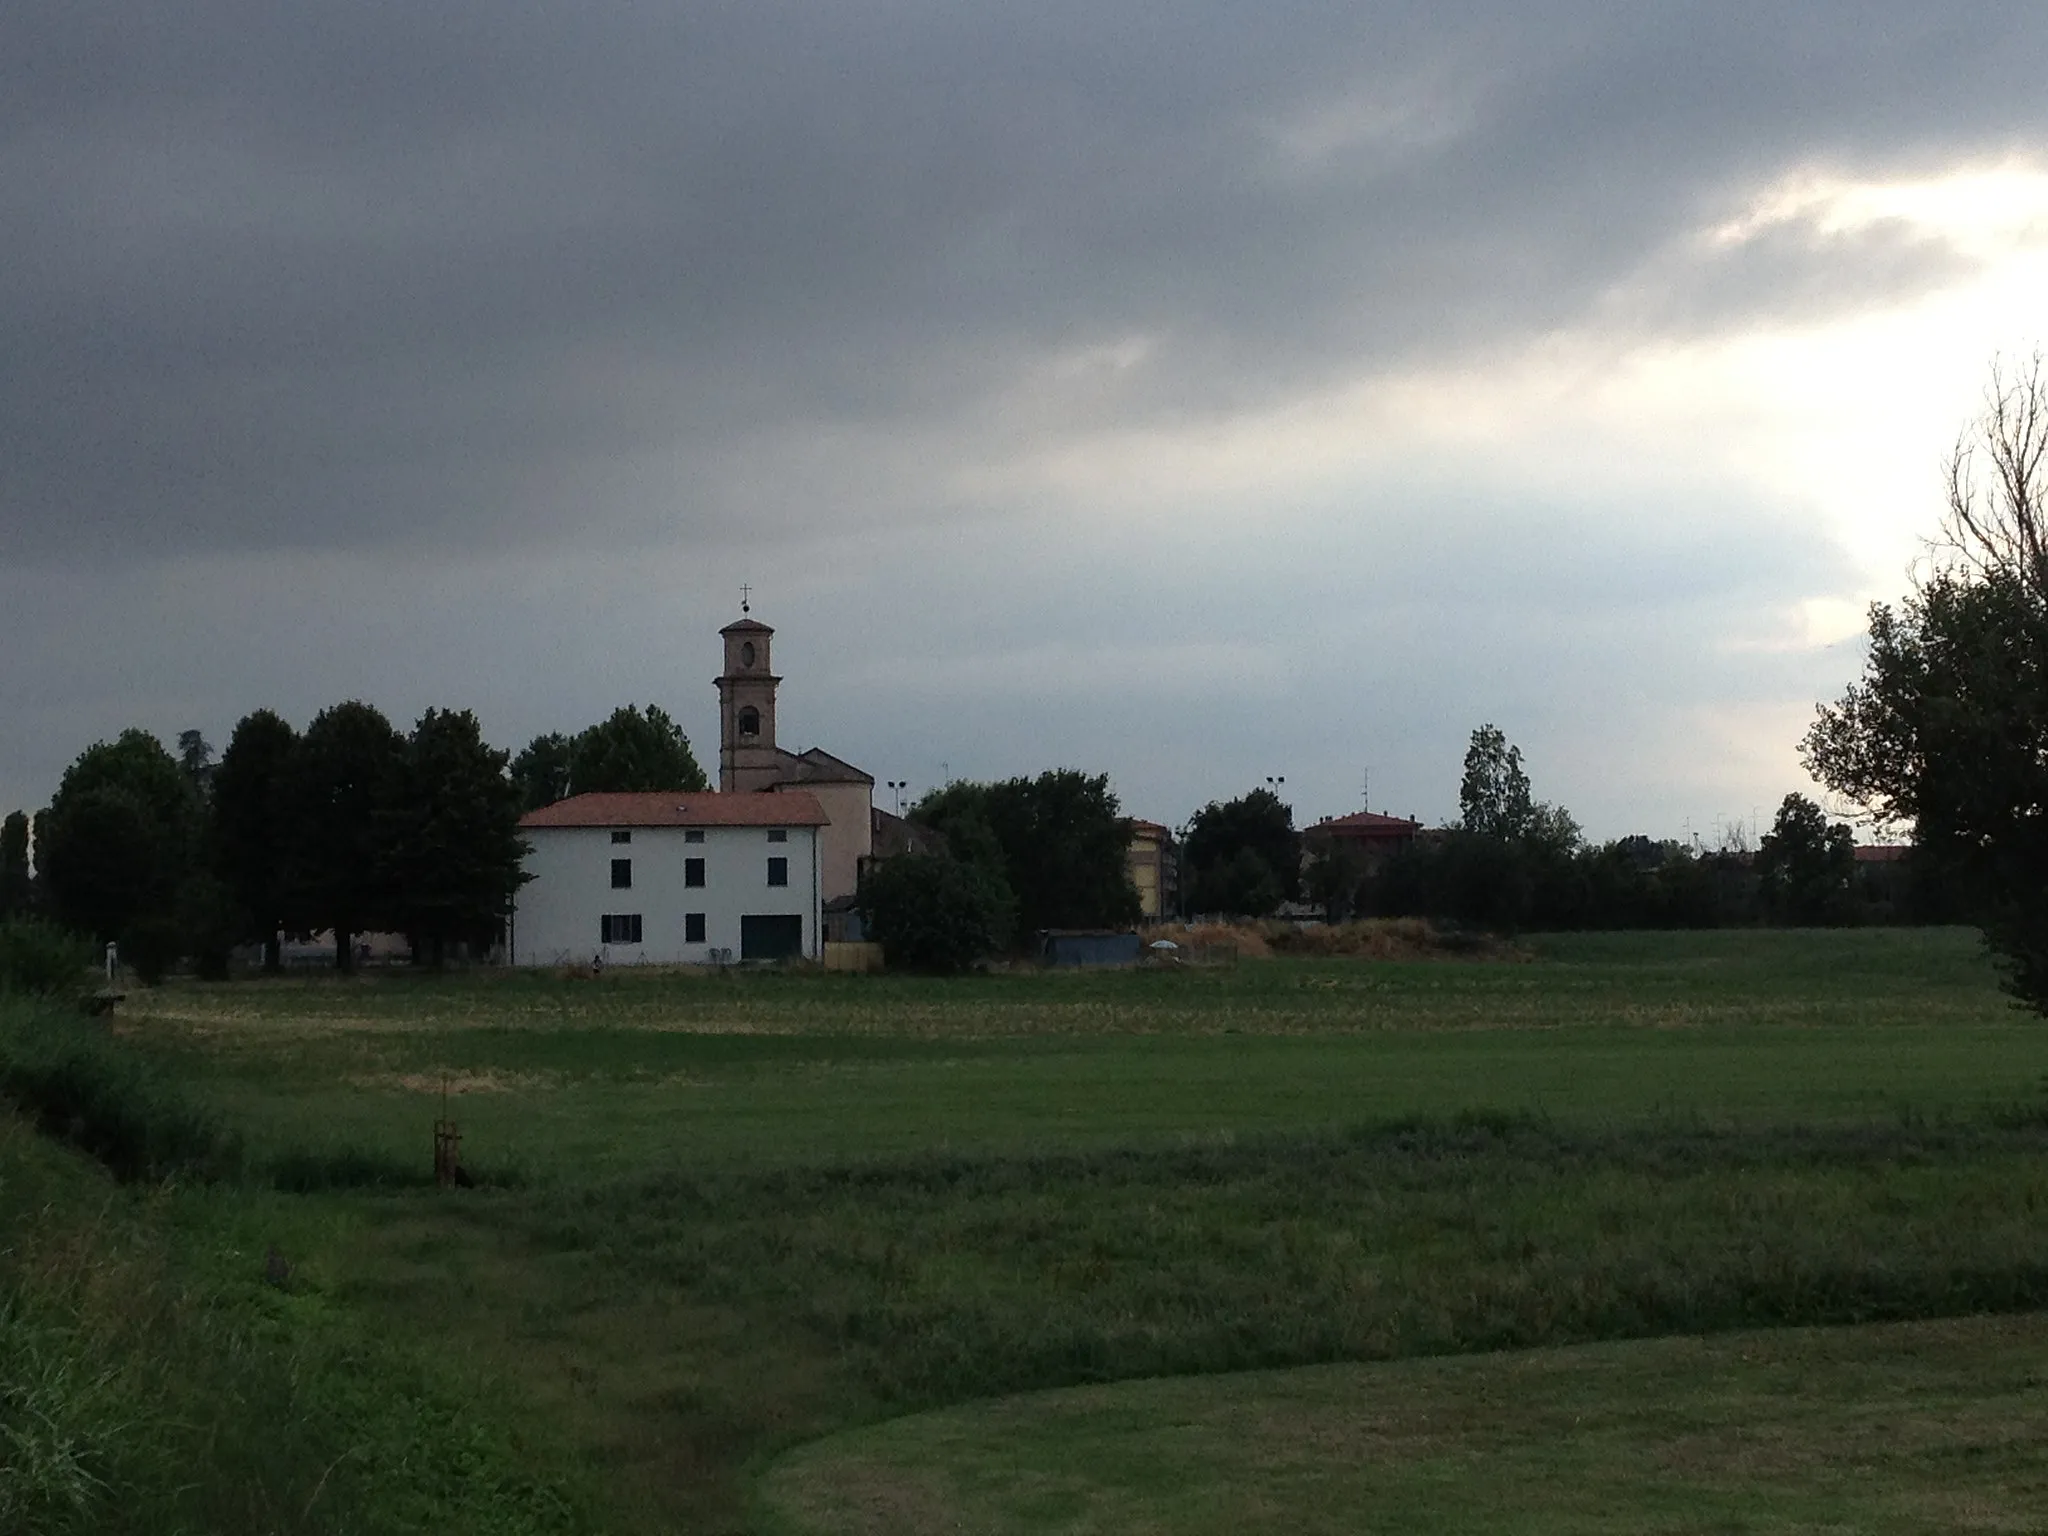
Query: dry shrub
[[1247, 940], [1387, 938], [1378, 938]]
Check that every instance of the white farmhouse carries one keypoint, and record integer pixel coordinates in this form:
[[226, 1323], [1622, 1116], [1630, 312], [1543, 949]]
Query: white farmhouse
[[667, 878]]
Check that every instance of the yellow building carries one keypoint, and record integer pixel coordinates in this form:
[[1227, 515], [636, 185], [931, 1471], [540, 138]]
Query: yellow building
[[1153, 862]]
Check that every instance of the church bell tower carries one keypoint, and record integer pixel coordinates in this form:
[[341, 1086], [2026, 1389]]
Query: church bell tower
[[747, 758]]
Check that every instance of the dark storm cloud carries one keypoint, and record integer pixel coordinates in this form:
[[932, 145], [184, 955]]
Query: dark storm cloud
[[446, 273]]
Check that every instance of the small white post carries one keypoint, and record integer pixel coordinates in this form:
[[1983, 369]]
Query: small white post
[[113, 960]]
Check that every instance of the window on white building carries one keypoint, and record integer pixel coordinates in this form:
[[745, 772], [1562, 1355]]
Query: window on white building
[[778, 871], [619, 928], [622, 874], [693, 927], [693, 871], [778, 835]]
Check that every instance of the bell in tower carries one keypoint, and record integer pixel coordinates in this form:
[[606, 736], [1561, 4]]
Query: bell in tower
[[747, 757]]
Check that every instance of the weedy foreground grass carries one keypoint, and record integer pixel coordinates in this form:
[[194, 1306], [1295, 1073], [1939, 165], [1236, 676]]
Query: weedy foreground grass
[[164, 1368]]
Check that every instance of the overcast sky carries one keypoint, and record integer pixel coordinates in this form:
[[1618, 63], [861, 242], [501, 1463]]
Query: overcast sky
[[1191, 393]]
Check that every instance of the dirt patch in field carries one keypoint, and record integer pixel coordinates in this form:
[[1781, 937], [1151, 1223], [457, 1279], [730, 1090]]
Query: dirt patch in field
[[453, 1082]]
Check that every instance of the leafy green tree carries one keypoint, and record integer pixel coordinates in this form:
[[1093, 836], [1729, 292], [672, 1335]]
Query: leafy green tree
[[1493, 798], [195, 757], [1061, 839], [1243, 884], [1242, 855], [636, 749], [1333, 879], [14, 875], [1805, 865], [119, 837], [933, 913], [540, 773], [1947, 729], [253, 836], [959, 814], [108, 865], [1064, 839], [344, 777], [452, 835]]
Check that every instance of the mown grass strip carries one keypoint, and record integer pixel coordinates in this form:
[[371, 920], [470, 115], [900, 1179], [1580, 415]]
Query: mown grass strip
[[1882, 1429]]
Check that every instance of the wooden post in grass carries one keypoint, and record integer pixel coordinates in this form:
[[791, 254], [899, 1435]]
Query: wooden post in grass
[[447, 1145]]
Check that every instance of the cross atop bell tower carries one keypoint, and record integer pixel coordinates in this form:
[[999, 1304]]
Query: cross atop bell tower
[[747, 758]]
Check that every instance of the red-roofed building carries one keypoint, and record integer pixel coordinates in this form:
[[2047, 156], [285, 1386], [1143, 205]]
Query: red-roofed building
[[811, 814], [1373, 837], [662, 808], [666, 878]]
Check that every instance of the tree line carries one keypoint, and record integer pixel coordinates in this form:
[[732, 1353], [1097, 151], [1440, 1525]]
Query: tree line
[[349, 827], [1511, 863]]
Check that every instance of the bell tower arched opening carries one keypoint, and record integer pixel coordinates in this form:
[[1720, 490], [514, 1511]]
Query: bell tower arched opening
[[747, 755]]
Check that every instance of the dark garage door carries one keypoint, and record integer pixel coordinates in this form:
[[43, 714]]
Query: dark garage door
[[771, 938]]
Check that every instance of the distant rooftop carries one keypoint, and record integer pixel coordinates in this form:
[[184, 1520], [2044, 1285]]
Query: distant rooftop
[[665, 808], [1367, 824]]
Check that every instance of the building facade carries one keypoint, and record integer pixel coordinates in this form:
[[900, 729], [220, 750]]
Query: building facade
[[1371, 837], [1153, 862], [666, 878]]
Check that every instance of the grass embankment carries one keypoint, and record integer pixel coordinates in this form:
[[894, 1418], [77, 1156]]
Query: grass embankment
[[1920, 1428], [164, 1369]]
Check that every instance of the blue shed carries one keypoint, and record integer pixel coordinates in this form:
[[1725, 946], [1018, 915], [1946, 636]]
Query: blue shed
[[1088, 946]]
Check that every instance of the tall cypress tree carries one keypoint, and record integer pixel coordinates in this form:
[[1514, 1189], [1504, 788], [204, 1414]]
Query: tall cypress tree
[[116, 843], [344, 776], [14, 882], [452, 839], [252, 842]]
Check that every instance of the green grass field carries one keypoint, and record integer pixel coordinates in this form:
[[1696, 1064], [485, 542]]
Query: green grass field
[[1920, 1428], [573, 1079], [721, 1217]]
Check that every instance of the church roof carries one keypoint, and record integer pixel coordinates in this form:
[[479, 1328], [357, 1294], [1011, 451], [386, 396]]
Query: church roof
[[666, 808], [746, 627], [818, 766]]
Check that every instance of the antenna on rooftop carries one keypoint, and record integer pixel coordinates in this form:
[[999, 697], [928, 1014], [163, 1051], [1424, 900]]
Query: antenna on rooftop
[[746, 592]]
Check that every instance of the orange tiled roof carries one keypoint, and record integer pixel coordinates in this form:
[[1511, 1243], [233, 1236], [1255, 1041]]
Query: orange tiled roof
[[665, 808], [1367, 824]]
